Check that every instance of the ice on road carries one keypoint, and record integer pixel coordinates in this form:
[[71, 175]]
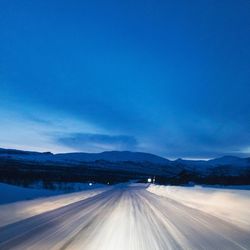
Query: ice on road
[[124, 218]]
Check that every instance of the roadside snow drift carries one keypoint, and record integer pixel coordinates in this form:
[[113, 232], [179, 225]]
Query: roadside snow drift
[[232, 205], [13, 212], [11, 193]]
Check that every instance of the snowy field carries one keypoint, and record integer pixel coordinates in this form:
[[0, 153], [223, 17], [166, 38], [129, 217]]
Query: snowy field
[[231, 204]]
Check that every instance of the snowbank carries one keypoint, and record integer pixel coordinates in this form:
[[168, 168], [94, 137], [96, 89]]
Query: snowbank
[[227, 204], [10, 193], [13, 212]]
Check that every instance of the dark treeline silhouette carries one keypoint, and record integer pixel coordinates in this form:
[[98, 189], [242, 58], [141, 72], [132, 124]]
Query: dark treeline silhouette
[[26, 174], [213, 178], [14, 172]]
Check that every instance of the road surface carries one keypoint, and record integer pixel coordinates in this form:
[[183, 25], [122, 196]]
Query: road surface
[[125, 217]]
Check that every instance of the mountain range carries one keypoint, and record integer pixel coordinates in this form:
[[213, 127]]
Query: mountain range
[[122, 164], [119, 156]]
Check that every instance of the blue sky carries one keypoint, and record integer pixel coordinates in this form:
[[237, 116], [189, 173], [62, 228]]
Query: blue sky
[[166, 77]]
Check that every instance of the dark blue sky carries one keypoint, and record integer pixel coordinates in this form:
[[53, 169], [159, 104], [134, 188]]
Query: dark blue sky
[[167, 77]]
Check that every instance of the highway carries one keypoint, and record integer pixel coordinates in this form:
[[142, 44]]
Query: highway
[[125, 217]]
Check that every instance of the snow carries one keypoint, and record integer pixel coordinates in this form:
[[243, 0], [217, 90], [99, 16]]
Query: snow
[[10, 193], [231, 205], [231, 165], [67, 187], [113, 156], [230, 160], [124, 217], [43, 201]]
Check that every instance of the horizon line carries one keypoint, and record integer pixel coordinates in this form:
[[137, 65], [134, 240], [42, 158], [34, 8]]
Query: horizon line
[[167, 158]]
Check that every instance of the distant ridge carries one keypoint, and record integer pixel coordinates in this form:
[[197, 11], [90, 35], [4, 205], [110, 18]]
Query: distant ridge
[[120, 156], [119, 166], [113, 156]]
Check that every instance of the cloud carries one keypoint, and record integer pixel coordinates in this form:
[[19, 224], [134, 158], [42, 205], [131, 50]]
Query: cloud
[[208, 140], [97, 142]]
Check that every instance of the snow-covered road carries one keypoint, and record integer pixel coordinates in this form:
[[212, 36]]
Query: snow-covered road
[[125, 217]]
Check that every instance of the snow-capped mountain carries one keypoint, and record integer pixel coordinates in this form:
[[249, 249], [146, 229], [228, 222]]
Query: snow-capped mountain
[[230, 160], [126, 159], [118, 166], [112, 156], [204, 165]]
